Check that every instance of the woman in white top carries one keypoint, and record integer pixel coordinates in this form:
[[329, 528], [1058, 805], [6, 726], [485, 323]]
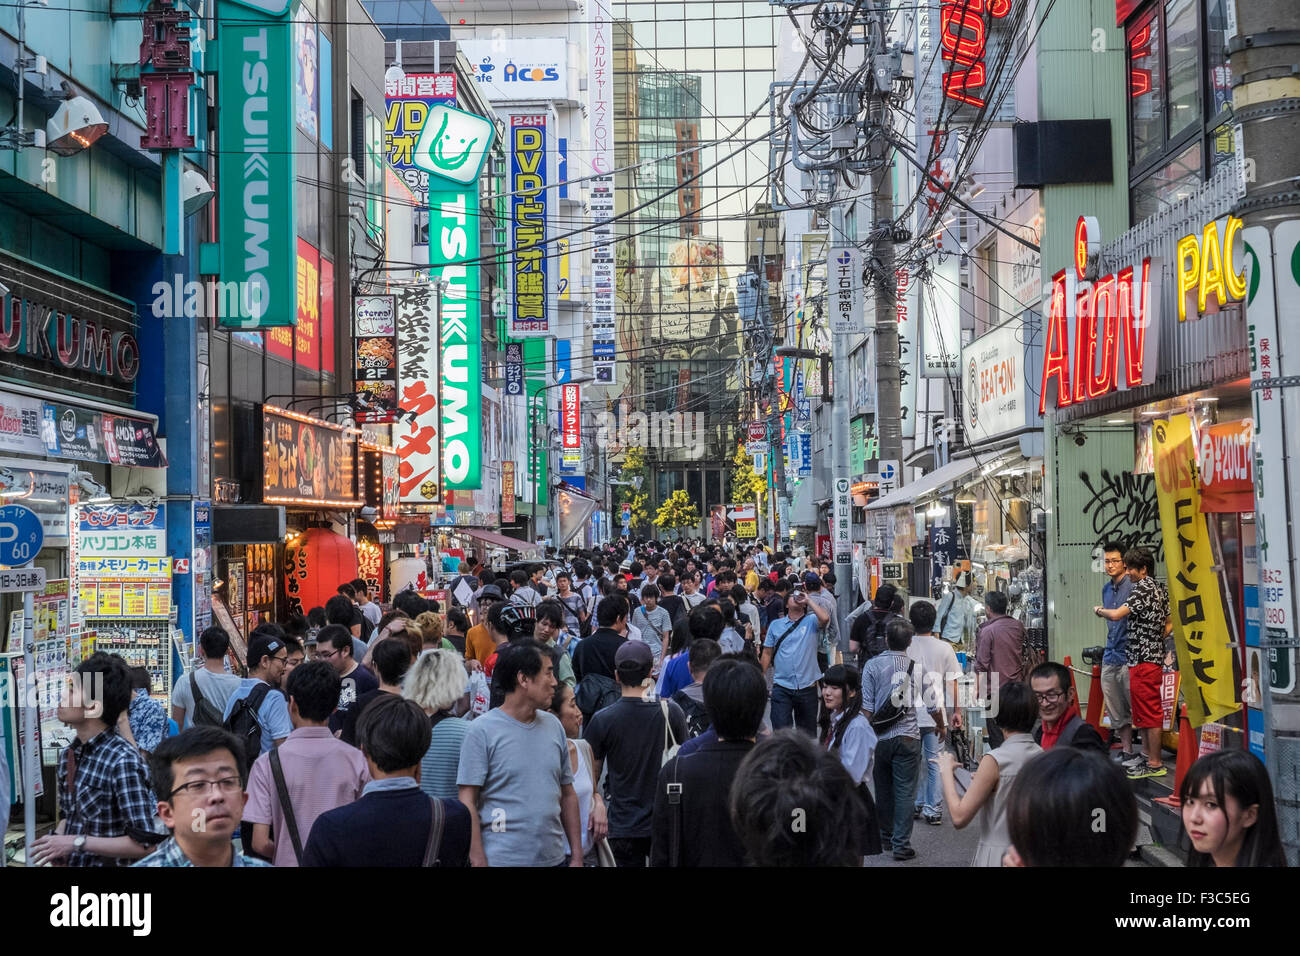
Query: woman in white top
[[986, 795], [848, 734], [591, 805]]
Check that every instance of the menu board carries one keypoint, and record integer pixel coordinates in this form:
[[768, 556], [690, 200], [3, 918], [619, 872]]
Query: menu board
[[125, 588], [305, 461], [51, 611]]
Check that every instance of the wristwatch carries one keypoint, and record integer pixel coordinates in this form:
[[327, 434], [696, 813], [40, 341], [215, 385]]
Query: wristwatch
[[79, 843]]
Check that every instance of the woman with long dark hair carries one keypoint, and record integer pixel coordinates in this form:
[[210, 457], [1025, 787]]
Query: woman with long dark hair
[[1228, 812], [847, 734]]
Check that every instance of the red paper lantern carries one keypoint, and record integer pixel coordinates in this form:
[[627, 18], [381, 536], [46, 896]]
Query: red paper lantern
[[317, 564]]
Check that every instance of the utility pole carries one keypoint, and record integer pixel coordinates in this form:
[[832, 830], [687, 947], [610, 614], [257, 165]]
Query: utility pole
[[889, 421], [1262, 51], [842, 235]]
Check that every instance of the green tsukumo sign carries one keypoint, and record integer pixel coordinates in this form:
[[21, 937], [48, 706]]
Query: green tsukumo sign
[[255, 187]]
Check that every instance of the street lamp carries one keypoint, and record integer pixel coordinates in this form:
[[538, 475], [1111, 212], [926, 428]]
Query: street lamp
[[532, 432]]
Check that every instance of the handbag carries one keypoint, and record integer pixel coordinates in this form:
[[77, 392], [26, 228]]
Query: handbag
[[893, 711]]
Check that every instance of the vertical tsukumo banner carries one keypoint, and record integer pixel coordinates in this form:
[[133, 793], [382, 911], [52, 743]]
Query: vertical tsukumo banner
[[529, 313], [255, 185], [600, 93], [1201, 636]]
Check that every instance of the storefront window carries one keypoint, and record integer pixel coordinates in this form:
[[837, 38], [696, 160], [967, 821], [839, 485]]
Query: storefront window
[[1182, 34], [1170, 183], [1219, 73], [1146, 89]]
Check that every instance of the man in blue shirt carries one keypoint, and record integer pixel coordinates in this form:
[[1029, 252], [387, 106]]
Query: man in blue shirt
[[1114, 661], [266, 660], [790, 649]]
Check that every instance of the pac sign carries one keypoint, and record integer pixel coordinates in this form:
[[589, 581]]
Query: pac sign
[[21, 535], [1208, 264]]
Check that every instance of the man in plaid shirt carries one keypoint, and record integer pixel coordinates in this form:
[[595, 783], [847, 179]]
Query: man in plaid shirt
[[106, 807]]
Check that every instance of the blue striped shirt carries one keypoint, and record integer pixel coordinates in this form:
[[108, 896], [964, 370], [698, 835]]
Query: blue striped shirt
[[442, 759]]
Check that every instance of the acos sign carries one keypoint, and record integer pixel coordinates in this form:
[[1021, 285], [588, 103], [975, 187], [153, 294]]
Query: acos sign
[[1097, 339]]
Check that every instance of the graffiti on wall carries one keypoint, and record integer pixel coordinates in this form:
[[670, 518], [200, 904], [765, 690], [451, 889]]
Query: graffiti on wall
[[1123, 508]]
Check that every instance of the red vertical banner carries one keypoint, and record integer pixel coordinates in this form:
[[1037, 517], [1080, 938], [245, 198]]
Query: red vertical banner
[[306, 336], [327, 318], [570, 416]]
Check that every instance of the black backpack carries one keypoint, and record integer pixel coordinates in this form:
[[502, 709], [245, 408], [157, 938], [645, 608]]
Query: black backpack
[[205, 712], [243, 721], [697, 717], [595, 692], [871, 639]]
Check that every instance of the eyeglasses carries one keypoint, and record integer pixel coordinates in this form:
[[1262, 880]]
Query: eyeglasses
[[282, 660], [199, 788], [1050, 697], [326, 655]]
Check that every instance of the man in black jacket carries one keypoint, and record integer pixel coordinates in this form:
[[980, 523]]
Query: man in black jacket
[[392, 823], [1060, 724], [691, 823], [595, 654]]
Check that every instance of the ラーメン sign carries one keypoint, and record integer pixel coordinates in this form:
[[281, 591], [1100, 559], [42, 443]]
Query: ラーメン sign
[[256, 167], [1097, 339]]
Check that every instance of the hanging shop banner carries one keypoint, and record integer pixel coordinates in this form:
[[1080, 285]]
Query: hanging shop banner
[[20, 424], [744, 518], [256, 126], [519, 68], [82, 434], [416, 431], [113, 530], [374, 328], [571, 416], [307, 461], [600, 128], [529, 314], [514, 368], [1225, 463], [907, 308], [941, 335], [507, 492], [379, 468], [943, 555], [1205, 658], [844, 278], [408, 102], [994, 390]]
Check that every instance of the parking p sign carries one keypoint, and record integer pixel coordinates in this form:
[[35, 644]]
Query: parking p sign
[[21, 535]]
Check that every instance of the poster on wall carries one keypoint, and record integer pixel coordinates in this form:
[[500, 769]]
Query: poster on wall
[[306, 74]]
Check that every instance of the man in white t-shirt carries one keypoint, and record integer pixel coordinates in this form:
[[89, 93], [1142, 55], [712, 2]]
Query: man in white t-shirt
[[936, 676], [214, 683]]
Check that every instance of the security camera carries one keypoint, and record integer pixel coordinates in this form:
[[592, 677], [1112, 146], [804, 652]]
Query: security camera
[[1080, 438], [76, 124], [198, 191]]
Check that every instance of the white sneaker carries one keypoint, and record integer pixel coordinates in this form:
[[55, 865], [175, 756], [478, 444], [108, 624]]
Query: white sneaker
[[1136, 760]]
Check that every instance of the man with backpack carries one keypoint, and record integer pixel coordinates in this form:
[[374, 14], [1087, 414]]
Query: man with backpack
[[889, 685], [593, 660], [690, 698], [200, 697], [867, 637], [256, 712]]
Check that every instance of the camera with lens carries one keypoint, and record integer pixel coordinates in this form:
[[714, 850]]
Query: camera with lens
[[1092, 655]]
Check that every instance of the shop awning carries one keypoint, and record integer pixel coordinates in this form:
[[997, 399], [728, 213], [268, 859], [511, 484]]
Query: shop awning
[[496, 540], [937, 480]]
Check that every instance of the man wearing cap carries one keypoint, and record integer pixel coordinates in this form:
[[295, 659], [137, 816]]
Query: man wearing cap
[[955, 615], [631, 735], [266, 660], [790, 649]]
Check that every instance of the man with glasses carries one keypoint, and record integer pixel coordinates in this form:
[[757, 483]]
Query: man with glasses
[[1114, 660], [202, 775], [334, 646], [1060, 723]]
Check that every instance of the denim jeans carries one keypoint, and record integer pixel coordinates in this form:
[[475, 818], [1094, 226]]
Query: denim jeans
[[795, 708], [929, 788], [895, 776]]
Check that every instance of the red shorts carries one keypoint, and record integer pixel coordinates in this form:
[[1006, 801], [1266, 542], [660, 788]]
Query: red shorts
[[1144, 690]]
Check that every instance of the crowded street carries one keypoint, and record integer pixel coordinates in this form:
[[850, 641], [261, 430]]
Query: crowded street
[[649, 435]]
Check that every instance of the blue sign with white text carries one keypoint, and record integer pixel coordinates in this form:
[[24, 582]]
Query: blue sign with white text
[[21, 535]]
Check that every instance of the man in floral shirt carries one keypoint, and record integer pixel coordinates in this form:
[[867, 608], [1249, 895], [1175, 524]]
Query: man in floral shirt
[[1147, 611]]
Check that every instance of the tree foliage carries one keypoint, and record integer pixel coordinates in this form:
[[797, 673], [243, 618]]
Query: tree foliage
[[634, 466], [677, 512], [746, 484]]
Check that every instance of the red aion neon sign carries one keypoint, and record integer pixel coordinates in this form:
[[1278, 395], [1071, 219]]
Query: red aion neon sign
[[1097, 339], [963, 32]]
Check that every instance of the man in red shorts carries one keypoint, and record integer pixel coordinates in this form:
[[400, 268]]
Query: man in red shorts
[[1147, 610]]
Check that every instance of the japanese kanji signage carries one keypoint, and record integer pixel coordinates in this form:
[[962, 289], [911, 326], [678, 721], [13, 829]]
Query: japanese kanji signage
[[529, 314], [844, 276], [416, 431], [307, 461], [840, 533], [507, 492], [1201, 635], [112, 530], [409, 101], [600, 121], [571, 416]]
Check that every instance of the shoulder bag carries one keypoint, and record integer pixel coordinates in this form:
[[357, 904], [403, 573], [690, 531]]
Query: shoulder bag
[[893, 711], [436, 826], [286, 807], [671, 746]]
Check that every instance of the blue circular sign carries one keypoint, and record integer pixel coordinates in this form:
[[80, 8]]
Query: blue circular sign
[[21, 535]]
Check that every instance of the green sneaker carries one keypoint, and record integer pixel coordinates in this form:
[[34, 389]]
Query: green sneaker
[[1144, 770]]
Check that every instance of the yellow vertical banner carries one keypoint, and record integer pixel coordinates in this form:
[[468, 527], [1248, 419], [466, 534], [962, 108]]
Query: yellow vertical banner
[[562, 246], [1201, 636]]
